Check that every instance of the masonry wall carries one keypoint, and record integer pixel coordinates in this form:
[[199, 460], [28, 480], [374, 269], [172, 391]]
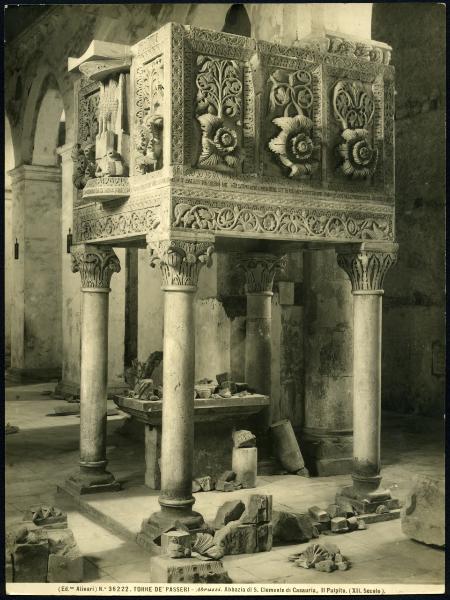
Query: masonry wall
[[414, 302]]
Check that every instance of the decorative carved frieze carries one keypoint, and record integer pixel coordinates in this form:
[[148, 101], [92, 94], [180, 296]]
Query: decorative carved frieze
[[301, 222], [260, 270], [96, 264], [84, 167], [180, 261], [367, 266]]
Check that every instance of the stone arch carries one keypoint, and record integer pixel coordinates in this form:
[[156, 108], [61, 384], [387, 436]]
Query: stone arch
[[237, 21], [44, 97], [47, 134]]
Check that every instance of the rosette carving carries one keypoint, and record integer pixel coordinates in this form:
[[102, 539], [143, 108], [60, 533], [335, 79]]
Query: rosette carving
[[219, 107], [96, 264], [260, 270], [354, 109], [180, 261], [294, 145]]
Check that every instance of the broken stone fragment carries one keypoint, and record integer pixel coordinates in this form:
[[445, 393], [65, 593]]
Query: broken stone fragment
[[423, 515], [223, 377], [225, 486], [381, 509], [207, 483], [352, 523], [362, 524], [30, 561], [311, 555], [227, 476], [291, 527], [236, 538], [11, 428], [187, 570], [303, 472], [245, 464], [176, 544], [60, 541], [258, 509], [65, 568], [264, 537], [196, 487], [46, 516], [342, 566], [327, 566], [319, 515], [334, 510], [205, 547], [244, 439], [241, 387], [230, 511], [339, 525]]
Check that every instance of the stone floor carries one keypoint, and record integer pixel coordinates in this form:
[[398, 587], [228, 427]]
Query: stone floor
[[45, 452]]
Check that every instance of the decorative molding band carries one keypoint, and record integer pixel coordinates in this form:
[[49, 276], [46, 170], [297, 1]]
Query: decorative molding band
[[366, 265], [122, 224], [35, 173], [180, 261], [96, 264], [260, 270]]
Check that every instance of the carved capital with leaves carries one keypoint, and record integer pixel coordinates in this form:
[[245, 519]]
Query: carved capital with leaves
[[96, 264], [366, 265], [180, 261], [260, 270]]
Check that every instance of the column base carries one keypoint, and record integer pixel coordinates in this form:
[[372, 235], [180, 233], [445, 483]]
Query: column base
[[158, 522], [372, 507], [86, 483], [327, 453]]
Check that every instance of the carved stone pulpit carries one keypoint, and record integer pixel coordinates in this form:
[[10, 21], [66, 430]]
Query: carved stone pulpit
[[192, 137]]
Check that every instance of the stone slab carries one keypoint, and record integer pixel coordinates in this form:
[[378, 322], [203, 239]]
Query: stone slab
[[30, 562], [423, 515], [187, 570], [229, 511]]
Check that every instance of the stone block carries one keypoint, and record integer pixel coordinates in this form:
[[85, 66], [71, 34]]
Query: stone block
[[223, 377], [230, 511], [319, 515], [258, 509], [30, 562], [353, 523], [236, 538], [334, 510], [207, 483], [245, 464], [243, 439], [423, 515], [196, 487], [264, 537], [176, 544], [291, 527], [66, 568], [187, 570], [339, 525], [226, 486]]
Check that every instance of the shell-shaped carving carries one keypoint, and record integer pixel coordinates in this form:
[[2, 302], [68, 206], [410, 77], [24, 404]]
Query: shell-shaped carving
[[215, 552], [202, 543], [313, 554]]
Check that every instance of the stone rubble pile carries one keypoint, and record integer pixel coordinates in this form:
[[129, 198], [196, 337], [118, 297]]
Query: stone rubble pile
[[43, 549], [322, 557]]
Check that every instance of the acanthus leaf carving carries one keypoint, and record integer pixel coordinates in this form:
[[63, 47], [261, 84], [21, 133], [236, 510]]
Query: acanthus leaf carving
[[180, 261], [367, 268], [96, 265], [260, 270]]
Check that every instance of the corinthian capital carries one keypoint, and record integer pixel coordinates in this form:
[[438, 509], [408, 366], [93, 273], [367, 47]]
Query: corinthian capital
[[180, 261], [367, 264], [96, 264], [260, 269]]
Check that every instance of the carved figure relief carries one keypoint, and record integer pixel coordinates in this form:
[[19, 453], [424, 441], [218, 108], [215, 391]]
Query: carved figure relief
[[354, 109], [294, 145], [84, 164], [219, 98], [148, 140]]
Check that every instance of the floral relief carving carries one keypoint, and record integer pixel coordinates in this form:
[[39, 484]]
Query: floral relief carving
[[95, 264], [354, 109], [294, 145], [260, 270], [219, 111], [180, 261], [306, 223]]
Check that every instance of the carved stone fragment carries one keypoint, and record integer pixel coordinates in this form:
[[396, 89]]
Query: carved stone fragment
[[291, 527], [163, 569], [230, 511], [258, 509]]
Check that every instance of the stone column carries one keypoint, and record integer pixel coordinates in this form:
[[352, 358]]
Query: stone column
[[180, 263], [366, 265], [326, 439], [96, 264], [259, 269]]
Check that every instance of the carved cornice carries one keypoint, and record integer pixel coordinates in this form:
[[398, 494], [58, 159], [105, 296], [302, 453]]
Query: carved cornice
[[96, 264], [180, 261], [366, 265], [260, 270]]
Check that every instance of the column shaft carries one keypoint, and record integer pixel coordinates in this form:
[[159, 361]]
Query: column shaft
[[94, 377], [177, 445], [367, 384], [258, 346]]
